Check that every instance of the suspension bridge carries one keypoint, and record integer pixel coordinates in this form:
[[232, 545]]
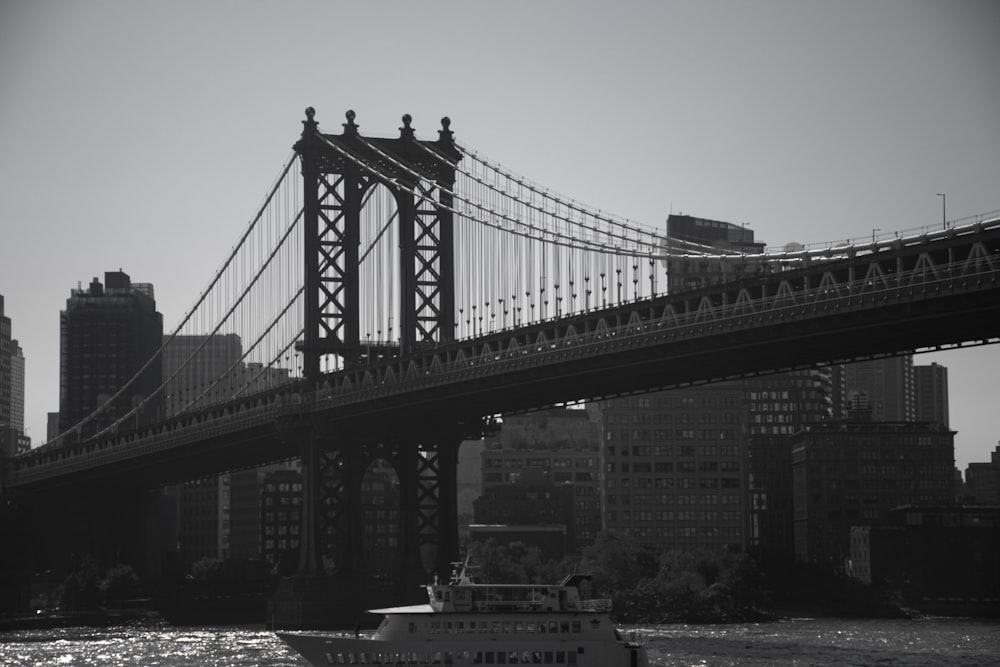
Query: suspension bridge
[[392, 295]]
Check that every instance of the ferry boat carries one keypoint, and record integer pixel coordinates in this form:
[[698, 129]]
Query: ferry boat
[[469, 623]]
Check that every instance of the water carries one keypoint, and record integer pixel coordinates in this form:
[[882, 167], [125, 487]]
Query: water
[[798, 643]]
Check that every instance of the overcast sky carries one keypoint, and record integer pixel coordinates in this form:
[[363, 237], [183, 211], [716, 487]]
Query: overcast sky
[[143, 135]]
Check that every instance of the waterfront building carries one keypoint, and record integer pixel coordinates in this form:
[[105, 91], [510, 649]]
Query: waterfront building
[[281, 502], [560, 445], [848, 473], [931, 394], [673, 467], [203, 519], [982, 481], [107, 334], [932, 555], [380, 499]]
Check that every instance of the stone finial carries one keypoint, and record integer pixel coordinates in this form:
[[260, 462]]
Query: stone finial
[[309, 125], [445, 134], [350, 127], [406, 132]]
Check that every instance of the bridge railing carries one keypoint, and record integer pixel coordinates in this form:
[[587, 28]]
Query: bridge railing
[[652, 322]]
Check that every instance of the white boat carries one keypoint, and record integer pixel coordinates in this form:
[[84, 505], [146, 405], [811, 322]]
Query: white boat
[[469, 623]]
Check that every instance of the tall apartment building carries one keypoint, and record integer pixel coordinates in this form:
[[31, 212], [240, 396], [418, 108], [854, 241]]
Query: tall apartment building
[[12, 437], [931, 394], [107, 334], [888, 383], [849, 473], [685, 232], [779, 405], [193, 366], [560, 445], [673, 467]]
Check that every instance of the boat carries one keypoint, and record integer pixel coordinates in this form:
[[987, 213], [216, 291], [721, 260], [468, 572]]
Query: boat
[[469, 623]]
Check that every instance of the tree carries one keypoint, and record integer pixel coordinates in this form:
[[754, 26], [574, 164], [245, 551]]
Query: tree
[[119, 583]]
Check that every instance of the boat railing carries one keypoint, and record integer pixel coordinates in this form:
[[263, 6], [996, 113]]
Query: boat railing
[[594, 604], [507, 605]]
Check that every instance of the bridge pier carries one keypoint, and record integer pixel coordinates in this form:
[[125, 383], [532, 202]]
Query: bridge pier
[[337, 579]]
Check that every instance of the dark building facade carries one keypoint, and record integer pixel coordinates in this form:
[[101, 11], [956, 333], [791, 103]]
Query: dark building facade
[[12, 436], [779, 405], [848, 474], [107, 334], [280, 507], [560, 445], [673, 467], [534, 510], [933, 555], [688, 234], [931, 394], [982, 481], [888, 383]]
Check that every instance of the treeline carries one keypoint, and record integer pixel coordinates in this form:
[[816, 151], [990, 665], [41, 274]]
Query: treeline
[[645, 585], [88, 588]]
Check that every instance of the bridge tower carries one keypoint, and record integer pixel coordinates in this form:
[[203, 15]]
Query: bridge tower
[[336, 179], [338, 172]]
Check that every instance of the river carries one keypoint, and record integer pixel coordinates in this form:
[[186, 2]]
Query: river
[[799, 643]]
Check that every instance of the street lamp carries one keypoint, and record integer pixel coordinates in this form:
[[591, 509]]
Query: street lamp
[[944, 217]]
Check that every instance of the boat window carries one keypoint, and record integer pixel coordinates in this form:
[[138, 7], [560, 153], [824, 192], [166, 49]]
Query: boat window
[[413, 627], [576, 626], [553, 627], [564, 627]]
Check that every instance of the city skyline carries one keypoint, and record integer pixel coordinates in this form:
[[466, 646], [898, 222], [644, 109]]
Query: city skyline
[[144, 137]]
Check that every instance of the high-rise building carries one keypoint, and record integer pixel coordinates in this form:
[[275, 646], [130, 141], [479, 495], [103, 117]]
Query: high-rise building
[[887, 382], [850, 473], [931, 392], [281, 503], [673, 467], [779, 405], [200, 370], [13, 439], [108, 333], [687, 234], [203, 515]]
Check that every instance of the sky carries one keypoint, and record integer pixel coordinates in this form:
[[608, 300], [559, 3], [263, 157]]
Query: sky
[[144, 135]]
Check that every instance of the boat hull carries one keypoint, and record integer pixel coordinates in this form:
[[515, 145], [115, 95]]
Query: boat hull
[[325, 650]]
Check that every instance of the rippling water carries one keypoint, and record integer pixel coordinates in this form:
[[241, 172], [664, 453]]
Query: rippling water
[[798, 643]]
